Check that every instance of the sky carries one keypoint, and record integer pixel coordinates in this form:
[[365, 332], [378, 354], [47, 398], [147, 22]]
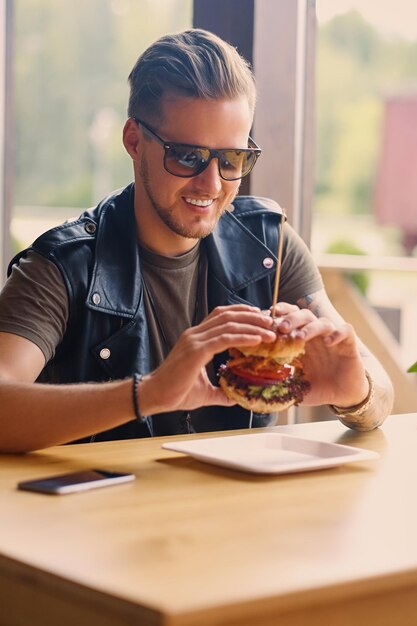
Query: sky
[[390, 17]]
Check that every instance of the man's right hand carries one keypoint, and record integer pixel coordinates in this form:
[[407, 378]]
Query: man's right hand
[[181, 381]]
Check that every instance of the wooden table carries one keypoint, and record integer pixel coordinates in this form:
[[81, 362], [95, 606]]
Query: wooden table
[[189, 543]]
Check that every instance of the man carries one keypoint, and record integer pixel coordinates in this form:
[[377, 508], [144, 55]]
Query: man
[[141, 293]]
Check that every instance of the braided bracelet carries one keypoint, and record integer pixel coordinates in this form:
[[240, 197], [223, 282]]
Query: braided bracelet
[[136, 378], [135, 387]]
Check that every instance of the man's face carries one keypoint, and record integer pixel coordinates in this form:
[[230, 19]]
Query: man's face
[[172, 212]]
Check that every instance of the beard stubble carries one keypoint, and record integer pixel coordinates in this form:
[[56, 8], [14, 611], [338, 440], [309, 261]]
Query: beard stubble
[[195, 231]]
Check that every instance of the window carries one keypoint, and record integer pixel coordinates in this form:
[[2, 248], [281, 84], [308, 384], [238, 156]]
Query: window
[[70, 66]]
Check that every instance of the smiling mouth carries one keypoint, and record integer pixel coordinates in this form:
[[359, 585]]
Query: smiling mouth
[[196, 202]]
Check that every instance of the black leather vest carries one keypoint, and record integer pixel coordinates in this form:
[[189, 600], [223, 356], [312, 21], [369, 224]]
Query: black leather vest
[[97, 256]]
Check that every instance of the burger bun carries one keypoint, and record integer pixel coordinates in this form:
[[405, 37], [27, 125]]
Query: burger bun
[[284, 349]]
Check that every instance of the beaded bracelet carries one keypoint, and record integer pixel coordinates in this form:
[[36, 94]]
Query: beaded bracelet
[[136, 380]]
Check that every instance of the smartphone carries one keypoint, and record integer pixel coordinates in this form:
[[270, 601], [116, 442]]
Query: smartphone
[[75, 481]]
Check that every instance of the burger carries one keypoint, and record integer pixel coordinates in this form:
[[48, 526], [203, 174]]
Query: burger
[[268, 377]]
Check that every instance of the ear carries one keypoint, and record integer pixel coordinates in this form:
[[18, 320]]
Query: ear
[[132, 138]]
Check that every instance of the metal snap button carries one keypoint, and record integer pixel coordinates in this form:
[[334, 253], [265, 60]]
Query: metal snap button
[[90, 228], [105, 353], [268, 262], [96, 298]]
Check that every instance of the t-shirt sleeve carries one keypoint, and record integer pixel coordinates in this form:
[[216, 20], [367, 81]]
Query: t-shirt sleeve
[[300, 275], [34, 303]]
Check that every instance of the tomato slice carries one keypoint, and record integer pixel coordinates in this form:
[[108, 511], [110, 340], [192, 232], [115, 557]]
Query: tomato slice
[[262, 376]]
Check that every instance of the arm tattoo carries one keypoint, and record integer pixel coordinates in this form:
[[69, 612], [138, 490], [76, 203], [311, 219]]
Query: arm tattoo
[[309, 302]]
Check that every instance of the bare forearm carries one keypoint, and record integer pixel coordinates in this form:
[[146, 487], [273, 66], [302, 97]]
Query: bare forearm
[[34, 416]]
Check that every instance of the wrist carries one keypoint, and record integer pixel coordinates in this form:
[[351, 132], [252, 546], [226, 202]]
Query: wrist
[[358, 409], [136, 378], [140, 405], [148, 398]]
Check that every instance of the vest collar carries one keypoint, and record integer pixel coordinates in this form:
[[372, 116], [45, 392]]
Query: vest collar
[[115, 286], [236, 258]]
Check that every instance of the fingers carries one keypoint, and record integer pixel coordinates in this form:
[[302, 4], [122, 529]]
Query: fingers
[[225, 328], [204, 343], [246, 326], [219, 310], [236, 317], [302, 321], [283, 308], [307, 325], [341, 333]]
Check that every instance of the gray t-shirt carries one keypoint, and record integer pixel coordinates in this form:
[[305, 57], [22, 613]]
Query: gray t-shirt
[[174, 295]]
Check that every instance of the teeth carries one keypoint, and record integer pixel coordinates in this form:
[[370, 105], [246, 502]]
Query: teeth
[[199, 202]]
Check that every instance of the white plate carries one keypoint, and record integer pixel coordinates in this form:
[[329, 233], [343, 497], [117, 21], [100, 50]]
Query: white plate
[[270, 453]]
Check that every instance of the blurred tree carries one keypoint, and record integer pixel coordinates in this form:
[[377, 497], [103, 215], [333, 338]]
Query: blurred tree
[[355, 68], [72, 60]]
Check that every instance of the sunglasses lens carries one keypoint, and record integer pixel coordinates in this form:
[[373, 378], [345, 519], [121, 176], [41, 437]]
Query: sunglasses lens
[[235, 164], [186, 161]]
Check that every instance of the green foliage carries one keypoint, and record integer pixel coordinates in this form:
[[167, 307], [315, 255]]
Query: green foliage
[[355, 68], [344, 246], [352, 35], [72, 60]]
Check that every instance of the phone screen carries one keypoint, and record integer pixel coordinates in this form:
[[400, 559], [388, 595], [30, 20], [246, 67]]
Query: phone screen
[[75, 481]]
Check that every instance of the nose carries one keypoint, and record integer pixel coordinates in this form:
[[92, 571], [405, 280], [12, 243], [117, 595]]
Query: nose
[[209, 181]]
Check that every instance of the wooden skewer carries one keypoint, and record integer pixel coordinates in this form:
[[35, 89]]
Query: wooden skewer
[[279, 257]]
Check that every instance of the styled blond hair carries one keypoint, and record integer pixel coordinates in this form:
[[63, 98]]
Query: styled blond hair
[[194, 63]]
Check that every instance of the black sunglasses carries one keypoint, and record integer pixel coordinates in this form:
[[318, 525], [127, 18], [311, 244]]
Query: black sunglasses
[[186, 161]]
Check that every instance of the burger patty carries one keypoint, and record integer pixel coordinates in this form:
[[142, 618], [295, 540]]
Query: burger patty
[[292, 388]]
